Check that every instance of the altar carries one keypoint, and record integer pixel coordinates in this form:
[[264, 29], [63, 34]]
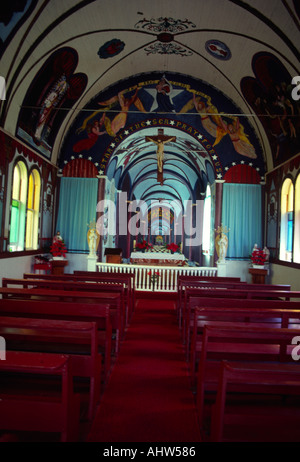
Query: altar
[[157, 258]]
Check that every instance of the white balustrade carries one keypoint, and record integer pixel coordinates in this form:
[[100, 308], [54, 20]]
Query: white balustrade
[[168, 275]]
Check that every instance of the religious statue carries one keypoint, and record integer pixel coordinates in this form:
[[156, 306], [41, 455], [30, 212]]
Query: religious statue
[[93, 239], [160, 140], [57, 237], [221, 243], [267, 253]]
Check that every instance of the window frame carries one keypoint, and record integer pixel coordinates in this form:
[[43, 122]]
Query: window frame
[[18, 245], [21, 245], [34, 210], [287, 220]]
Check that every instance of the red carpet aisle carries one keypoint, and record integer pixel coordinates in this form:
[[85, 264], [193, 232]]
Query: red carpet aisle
[[148, 398]]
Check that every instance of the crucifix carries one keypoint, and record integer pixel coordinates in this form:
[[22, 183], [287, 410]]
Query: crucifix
[[160, 140]]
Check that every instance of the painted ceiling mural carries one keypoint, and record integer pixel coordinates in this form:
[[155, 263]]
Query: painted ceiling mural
[[55, 88], [269, 94], [12, 16], [207, 124]]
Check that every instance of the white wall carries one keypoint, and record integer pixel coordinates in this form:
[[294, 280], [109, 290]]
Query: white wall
[[238, 269], [285, 275], [76, 262], [16, 267]]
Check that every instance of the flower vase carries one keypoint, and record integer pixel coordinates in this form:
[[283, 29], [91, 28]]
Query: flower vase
[[258, 266], [58, 257]]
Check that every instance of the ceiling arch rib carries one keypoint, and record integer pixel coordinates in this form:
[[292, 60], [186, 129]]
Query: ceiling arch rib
[[182, 169]]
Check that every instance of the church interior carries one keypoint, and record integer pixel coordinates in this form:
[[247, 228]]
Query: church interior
[[153, 151]]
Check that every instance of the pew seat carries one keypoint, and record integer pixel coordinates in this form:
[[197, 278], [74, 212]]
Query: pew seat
[[73, 297], [38, 407], [265, 406], [238, 316], [78, 340], [248, 345], [65, 311], [246, 292]]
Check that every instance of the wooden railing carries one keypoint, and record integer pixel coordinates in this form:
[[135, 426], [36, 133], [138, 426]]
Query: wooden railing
[[168, 275]]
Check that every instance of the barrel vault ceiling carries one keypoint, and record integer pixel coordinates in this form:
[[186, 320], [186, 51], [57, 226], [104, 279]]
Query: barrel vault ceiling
[[231, 52]]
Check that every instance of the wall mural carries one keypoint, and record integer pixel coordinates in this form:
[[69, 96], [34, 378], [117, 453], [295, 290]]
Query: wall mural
[[13, 14], [269, 95], [161, 101], [55, 87]]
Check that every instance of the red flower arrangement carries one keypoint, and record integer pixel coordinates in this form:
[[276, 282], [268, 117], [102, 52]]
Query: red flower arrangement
[[173, 247], [154, 276], [143, 245], [58, 248], [258, 257]]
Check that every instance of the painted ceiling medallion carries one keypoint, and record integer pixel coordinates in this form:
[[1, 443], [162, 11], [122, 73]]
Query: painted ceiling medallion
[[161, 24], [218, 49], [165, 37], [111, 49], [167, 49]]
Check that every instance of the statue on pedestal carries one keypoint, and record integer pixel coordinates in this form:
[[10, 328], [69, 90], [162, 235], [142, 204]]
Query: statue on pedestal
[[93, 239], [221, 242]]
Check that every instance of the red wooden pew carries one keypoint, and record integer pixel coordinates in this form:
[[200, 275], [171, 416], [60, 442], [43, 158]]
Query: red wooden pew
[[252, 418], [38, 408], [78, 340], [102, 298], [247, 291], [120, 277], [194, 281], [247, 344], [240, 316], [101, 278], [75, 286], [190, 288], [86, 312]]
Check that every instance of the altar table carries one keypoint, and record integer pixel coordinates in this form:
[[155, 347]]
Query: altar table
[[157, 258]]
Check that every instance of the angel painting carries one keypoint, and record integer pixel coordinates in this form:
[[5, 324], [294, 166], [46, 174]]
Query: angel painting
[[110, 127], [208, 114], [93, 132], [119, 121], [239, 139]]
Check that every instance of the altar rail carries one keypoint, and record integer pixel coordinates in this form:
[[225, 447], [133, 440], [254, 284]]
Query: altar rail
[[168, 275]]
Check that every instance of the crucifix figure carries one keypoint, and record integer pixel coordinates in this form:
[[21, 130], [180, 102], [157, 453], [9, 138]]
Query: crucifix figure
[[160, 140]]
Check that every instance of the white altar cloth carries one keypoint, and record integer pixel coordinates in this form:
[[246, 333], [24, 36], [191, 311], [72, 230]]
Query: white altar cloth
[[157, 259], [157, 256]]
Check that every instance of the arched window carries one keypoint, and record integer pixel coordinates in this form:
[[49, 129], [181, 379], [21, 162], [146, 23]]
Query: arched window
[[33, 207], [18, 207], [297, 221], [207, 221], [287, 220]]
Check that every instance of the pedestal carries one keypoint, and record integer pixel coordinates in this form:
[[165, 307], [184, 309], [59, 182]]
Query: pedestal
[[258, 275], [58, 266], [91, 263], [222, 271]]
